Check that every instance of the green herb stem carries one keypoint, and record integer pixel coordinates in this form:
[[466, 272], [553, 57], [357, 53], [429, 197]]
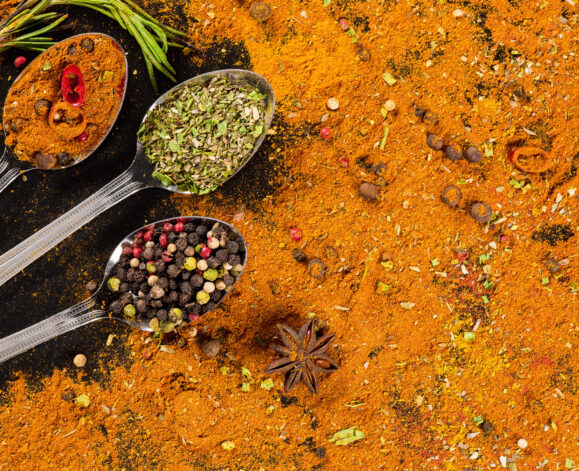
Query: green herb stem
[[153, 37]]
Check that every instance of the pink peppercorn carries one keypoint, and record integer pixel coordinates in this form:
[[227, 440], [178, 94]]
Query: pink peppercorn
[[504, 239], [163, 240], [148, 236], [167, 256], [127, 250], [167, 227], [325, 132], [344, 161], [343, 24], [20, 61], [193, 317], [179, 227], [137, 251], [82, 137], [205, 252], [296, 233]]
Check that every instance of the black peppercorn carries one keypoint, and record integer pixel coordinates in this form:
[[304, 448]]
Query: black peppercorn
[[87, 44], [298, 255]]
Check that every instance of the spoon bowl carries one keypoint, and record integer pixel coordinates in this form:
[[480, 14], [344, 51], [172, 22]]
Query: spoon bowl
[[94, 308], [10, 165], [236, 76], [138, 176]]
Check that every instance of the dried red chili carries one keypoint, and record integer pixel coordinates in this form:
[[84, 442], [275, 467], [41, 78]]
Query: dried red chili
[[72, 86]]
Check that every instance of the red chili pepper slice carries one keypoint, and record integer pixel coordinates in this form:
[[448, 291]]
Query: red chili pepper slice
[[72, 86]]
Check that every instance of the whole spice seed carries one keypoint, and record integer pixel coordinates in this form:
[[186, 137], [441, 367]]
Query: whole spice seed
[[203, 133], [451, 195], [20, 62], [325, 132], [296, 233], [434, 142], [260, 11], [481, 212], [364, 54], [473, 155], [298, 255], [79, 360], [368, 191], [452, 153], [333, 104], [316, 268]]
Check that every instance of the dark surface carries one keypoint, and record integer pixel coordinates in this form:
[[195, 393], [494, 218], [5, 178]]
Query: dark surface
[[57, 280]]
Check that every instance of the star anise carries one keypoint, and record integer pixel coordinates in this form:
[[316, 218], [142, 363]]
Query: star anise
[[303, 355]]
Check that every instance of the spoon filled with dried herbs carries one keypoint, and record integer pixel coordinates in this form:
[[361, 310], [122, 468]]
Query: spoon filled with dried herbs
[[195, 137], [159, 278], [63, 105]]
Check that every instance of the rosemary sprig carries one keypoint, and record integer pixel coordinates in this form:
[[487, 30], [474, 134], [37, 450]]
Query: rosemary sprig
[[26, 27]]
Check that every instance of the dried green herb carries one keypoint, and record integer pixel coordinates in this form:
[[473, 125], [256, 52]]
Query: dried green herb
[[203, 133]]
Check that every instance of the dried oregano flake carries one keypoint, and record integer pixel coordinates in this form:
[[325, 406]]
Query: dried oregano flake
[[203, 133]]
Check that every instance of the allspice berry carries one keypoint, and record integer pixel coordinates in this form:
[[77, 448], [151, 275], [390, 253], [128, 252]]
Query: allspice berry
[[452, 153], [368, 191], [260, 11], [481, 212], [79, 360], [451, 195], [434, 142], [473, 155]]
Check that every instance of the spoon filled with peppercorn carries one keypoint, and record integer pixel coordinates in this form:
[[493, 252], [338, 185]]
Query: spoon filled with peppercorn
[[194, 138], [63, 105], [160, 277]]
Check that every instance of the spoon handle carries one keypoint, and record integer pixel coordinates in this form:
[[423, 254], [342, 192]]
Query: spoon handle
[[80, 314], [8, 173], [18, 258]]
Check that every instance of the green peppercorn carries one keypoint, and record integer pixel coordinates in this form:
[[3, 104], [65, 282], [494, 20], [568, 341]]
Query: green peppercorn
[[113, 283], [151, 268], [167, 326], [198, 248], [202, 297], [176, 315], [129, 311], [190, 263], [210, 274], [154, 325]]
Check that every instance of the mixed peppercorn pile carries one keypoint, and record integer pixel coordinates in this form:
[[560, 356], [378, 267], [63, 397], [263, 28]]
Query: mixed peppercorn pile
[[172, 273]]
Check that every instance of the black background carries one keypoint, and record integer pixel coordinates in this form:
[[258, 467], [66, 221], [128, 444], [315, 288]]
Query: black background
[[57, 280]]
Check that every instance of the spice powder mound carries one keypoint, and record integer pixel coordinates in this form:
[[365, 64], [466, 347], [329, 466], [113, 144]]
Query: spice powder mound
[[456, 340], [44, 129]]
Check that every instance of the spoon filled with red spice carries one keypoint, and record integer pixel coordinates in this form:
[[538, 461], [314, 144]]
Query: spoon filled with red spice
[[194, 138], [63, 105], [160, 277]]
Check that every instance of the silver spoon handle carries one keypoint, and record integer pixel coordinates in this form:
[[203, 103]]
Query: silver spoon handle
[[18, 258], [8, 174], [81, 314]]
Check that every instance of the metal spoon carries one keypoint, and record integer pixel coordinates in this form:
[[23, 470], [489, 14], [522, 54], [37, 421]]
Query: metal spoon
[[11, 167], [91, 309], [137, 177]]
